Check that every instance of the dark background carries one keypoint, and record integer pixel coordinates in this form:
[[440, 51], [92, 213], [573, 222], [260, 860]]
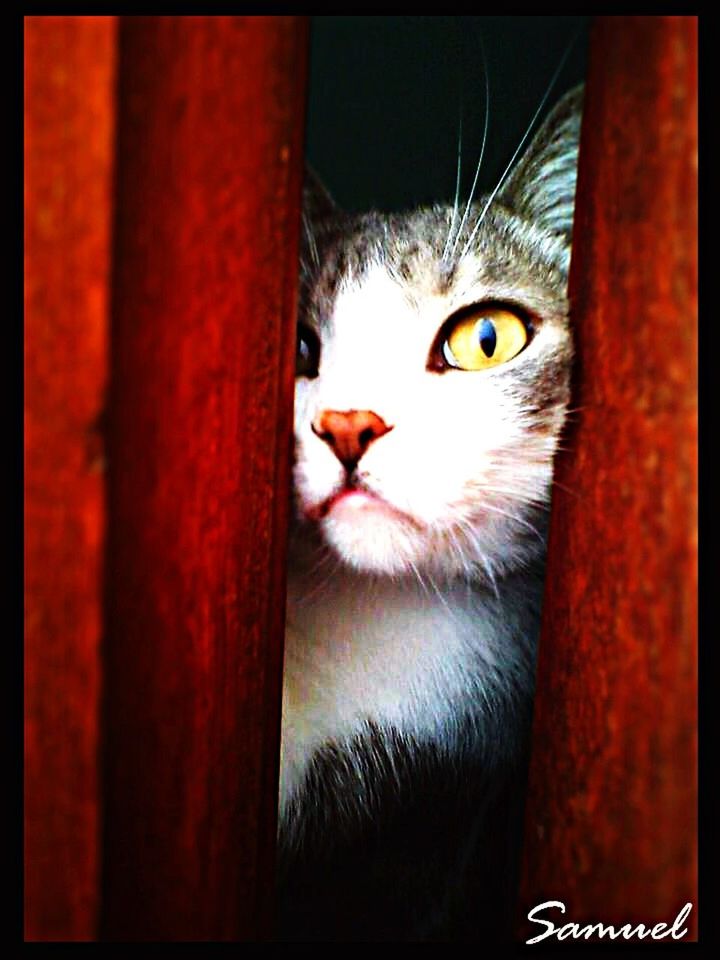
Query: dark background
[[387, 93]]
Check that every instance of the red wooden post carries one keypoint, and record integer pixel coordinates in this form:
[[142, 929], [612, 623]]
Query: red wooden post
[[210, 167], [69, 128], [611, 821]]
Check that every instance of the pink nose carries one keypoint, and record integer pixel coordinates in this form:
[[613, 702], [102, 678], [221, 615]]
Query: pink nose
[[349, 433]]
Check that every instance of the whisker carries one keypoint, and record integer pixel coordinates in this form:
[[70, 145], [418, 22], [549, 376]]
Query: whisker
[[566, 489], [311, 239], [480, 555], [418, 577], [457, 550], [515, 518], [514, 492], [321, 585], [487, 567], [457, 192], [482, 149], [440, 596], [519, 147]]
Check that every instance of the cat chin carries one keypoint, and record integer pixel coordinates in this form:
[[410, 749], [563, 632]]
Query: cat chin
[[385, 543], [373, 540]]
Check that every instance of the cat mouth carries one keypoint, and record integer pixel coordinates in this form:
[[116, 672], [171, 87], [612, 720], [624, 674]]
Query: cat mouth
[[347, 495], [354, 497]]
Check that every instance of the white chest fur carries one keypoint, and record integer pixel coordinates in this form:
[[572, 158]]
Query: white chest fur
[[404, 655]]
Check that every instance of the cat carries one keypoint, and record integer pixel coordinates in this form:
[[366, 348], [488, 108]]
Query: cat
[[433, 368]]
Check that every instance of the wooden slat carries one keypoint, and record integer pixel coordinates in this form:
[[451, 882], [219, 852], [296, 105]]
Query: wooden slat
[[210, 165], [69, 126], [611, 824]]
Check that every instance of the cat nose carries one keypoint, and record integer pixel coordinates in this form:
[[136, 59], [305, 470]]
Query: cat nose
[[349, 432]]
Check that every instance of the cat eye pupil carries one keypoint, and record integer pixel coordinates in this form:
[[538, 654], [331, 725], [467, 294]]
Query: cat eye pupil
[[487, 337]]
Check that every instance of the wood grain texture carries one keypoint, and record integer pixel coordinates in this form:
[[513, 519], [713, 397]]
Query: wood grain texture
[[69, 127], [210, 166], [611, 821]]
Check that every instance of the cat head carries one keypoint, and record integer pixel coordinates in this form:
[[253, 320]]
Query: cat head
[[433, 371]]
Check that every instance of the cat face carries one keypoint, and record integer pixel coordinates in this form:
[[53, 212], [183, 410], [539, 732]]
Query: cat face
[[431, 388]]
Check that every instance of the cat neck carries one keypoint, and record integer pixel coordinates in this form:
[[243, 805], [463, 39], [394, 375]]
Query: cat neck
[[407, 655]]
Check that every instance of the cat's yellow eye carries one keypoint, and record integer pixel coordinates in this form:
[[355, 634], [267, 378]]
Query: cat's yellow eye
[[484, 338]]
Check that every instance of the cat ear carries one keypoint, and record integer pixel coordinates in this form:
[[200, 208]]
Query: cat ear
[[541, 187], [317, 202]]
